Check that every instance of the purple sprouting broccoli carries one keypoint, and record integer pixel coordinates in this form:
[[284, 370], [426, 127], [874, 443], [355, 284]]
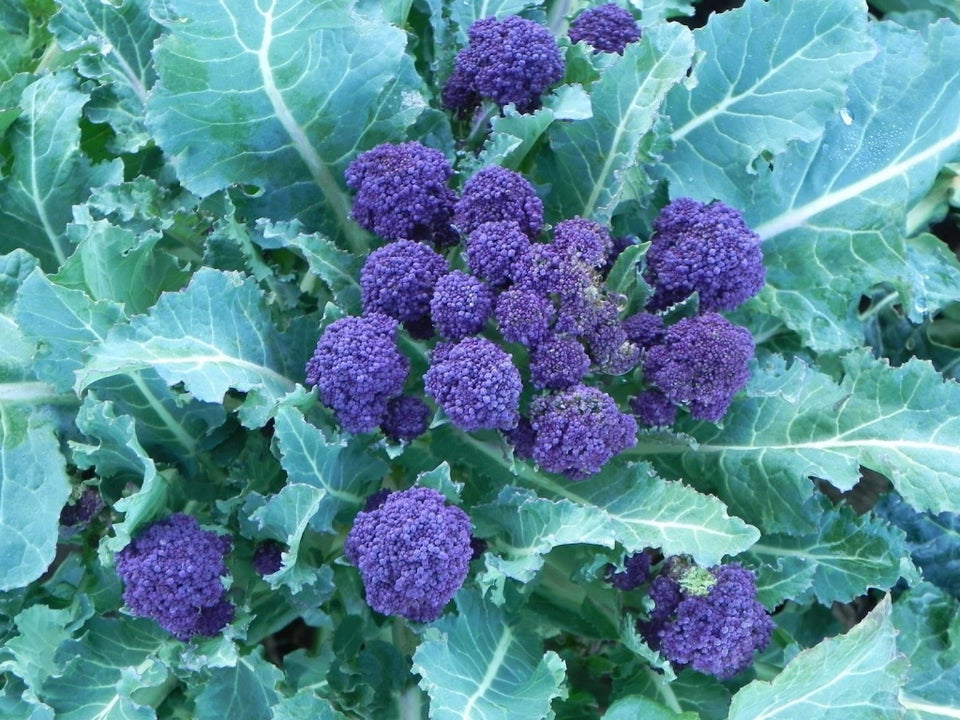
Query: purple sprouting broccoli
[[653, 409], [708, 620], [398, 280], [606, 340], [707, 249], [88, 505], [493, 248], [413, 552], [551, 273], [578, 430], [407, 418], [583, 239], [401, 191], [523, 316], [701, 362], [557, 363], [644, 329], [512, 60], [522, 439], [460, 306], [358, 369], [267, 557], [636, 570], [171, 574], [607, 28], [496, 194], [476, 384]]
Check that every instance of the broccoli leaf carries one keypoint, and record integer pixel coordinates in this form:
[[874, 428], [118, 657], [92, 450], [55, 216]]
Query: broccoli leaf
[[770, 73], [832, 216], [245, 691], [854, 674], [472, 662], [278, 95], [595, 164], [49, 173]]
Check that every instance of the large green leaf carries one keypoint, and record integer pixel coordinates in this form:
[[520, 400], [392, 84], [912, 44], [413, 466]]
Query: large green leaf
[[595, 164], [279, 95], [483, 665], [49, 173], [853, 675], [771, 72], [245, 691], [832, 215], [772, 442]]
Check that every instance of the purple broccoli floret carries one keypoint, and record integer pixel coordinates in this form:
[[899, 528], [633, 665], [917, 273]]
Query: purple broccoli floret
[[398, 280], [407, 418], [714, 631], [171, 574], [401, 191], [578, 431], [413, 552], [701, 362], [493, 248], [653, 409], [523, 316], [587, 241], [558, 363], [644, 329], [357, 369], [496, 194], [607, 28], [267, 557], [636, 569], [522, 438], [460, 306], [512, 60], [83, 510], [707, 249], [606, 339], [476, 384], [549, 272]]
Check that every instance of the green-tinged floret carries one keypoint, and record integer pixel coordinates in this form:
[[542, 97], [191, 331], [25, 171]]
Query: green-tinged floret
[[413, 552], [171, 574], [701, 362], [513, 60], [476, 384], [357, 369], [398, 280], [607, 28], [578, 430], [496, 194], [460, 306]]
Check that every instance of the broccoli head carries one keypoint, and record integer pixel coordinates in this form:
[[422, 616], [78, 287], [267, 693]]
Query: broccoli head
[[267, 557], [476, 384], [512, 60], [523, 316], [636, 569], [707, 249], [407, 418], [413, 552], [171, 574], [701, 362], [357, 368], [401, 191], [558, 362], [578, 430], [460, 306], [492, 249], [398, 280], [497, 194], [607, 28], [587, 241], [653, 409]]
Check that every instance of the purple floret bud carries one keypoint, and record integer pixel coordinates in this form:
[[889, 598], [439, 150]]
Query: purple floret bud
[[413, 553], [398, 280], [401, 191], [407, 418], [376, 500], [522, 438], [607, 28], [558, 363], [578, 431], [702, 362], [583, 239], [493, 248], [267, 557], [707, 249], [653, 409], [83, 510], [512, 60], [171, 573], [461, 305], [549, 272], [523, 316], [644, 329], [715, 632], [476, 384], [606, 339], [636, 569], [496, 194], [357, 369]]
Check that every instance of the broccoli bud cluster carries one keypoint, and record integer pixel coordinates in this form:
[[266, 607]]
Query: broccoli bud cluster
[[606, 28], [171, 573]]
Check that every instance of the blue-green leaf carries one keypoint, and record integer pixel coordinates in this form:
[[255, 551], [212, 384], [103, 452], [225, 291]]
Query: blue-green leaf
[[246, 691]]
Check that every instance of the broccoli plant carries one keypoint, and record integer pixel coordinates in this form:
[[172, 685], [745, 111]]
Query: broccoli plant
[[470, 359]]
